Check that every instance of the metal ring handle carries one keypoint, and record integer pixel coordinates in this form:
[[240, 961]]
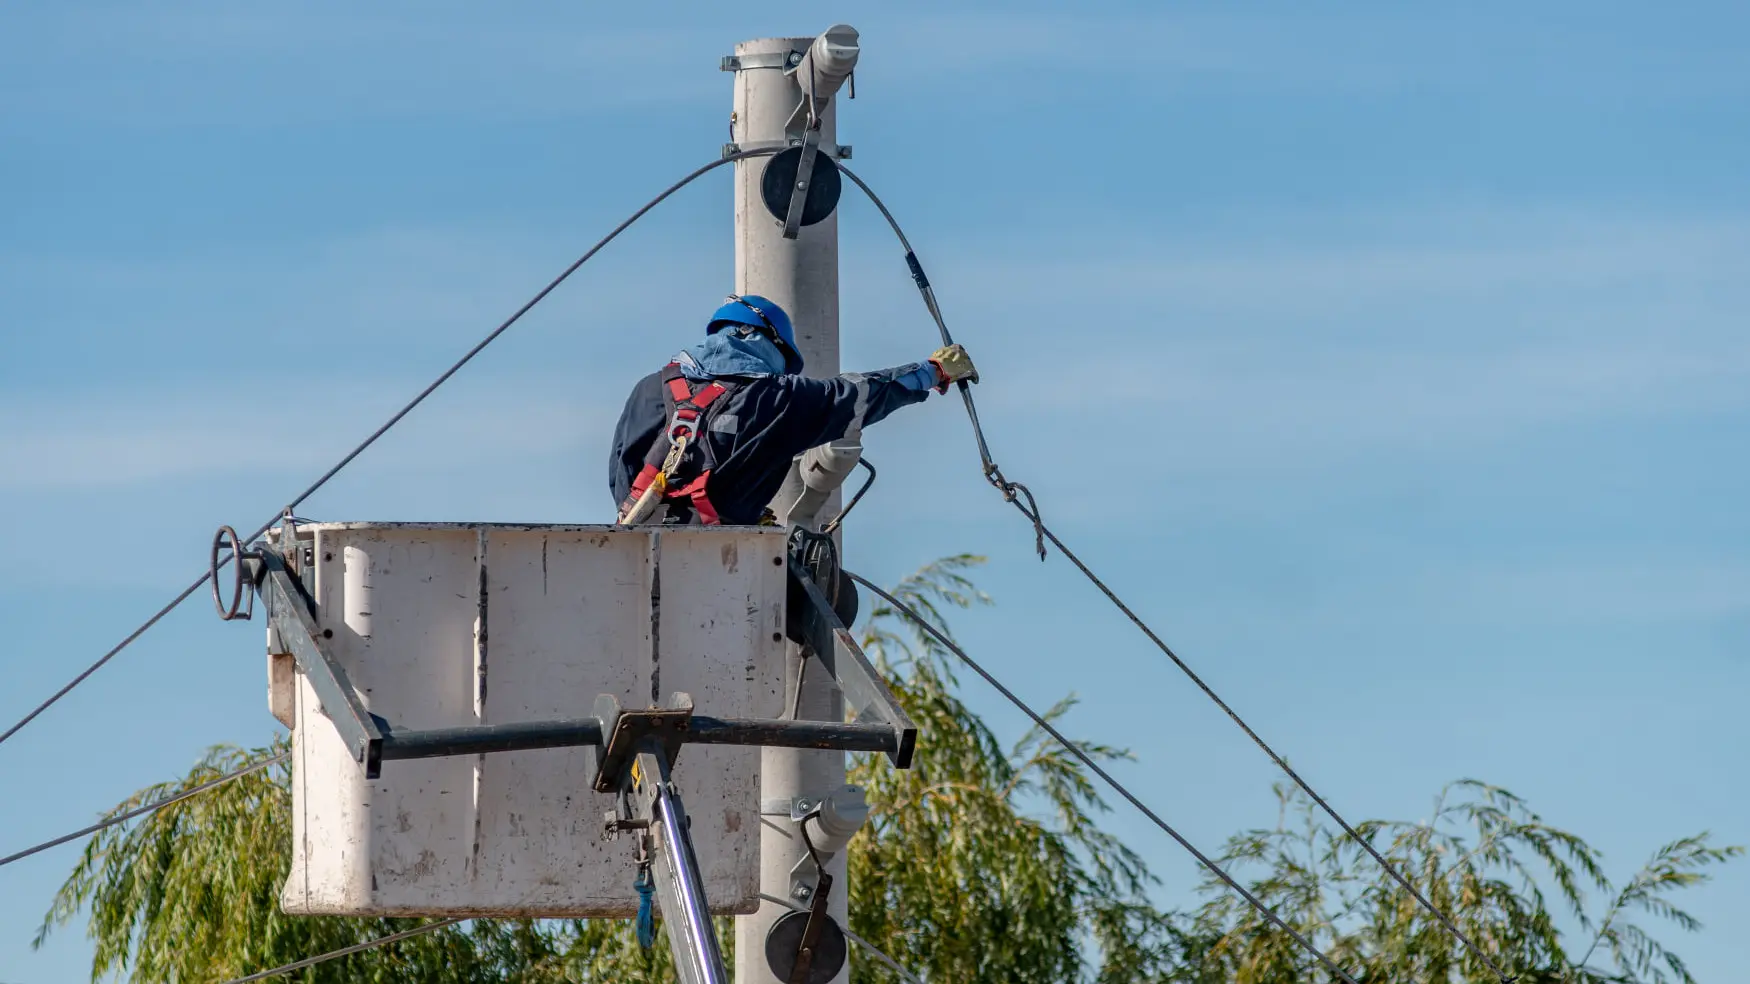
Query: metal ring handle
[[840, 518], [235, 609]]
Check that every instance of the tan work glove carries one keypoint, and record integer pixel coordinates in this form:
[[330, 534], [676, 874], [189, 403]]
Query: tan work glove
[[952, 365]]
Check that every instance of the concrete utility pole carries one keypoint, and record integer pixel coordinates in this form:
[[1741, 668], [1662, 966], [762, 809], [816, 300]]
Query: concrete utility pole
[[775, 80]]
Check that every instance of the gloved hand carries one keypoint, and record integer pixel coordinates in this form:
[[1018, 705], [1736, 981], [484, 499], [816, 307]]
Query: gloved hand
[[952, 365]]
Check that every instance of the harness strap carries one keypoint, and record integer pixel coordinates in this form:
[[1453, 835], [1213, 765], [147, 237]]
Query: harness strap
[[684, 395], [695, 490], [683, 430]]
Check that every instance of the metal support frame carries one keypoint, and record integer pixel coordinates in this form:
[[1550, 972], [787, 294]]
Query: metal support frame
[[691, 938], [291, 614], [804, 177], [880, 725], [575, 732], [866, 694], [641, 747], [637, 763]]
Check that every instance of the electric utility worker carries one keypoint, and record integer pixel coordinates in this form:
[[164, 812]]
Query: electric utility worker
[[709, 438]]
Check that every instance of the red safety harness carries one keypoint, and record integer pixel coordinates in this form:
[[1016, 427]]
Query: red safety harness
[[679, 461]]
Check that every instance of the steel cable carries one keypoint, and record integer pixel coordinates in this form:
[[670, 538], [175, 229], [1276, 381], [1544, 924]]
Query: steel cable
[[441, 924], [1015, 492], [143, 810], [391, 422], [1093, 766], [346, 951]]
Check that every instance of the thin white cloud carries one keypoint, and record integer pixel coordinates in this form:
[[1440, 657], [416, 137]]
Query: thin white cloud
[[223, 62], [1387, 396], [527, 448], [180, 432], [1301, 353], [1328, 419], [1156, 55], [363, 302], [1614, 318], [1295, 260], [220, 62], [1560, 588]]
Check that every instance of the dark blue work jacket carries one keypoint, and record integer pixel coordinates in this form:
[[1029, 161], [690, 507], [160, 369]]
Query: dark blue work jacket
[[755, 430]]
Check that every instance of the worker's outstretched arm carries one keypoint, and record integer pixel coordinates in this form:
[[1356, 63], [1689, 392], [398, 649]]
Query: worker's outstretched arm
[[824, 410]]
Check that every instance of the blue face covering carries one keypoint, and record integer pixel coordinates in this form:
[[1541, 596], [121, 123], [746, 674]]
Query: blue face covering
[[729, 354]]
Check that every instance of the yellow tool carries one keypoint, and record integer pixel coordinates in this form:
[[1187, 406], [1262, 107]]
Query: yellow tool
[[652, 496]]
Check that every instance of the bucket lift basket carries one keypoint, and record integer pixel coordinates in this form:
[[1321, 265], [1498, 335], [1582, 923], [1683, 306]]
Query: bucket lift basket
[[450, 756]]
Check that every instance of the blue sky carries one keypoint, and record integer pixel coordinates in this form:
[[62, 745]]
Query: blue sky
[[1433, 319]]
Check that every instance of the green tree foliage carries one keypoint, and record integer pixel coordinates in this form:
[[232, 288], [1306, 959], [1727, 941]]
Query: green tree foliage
[[984, 863], [191, 893], [1483, 858]]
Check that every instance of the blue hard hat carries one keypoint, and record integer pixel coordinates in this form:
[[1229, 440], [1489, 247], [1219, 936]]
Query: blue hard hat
[[763, 315]]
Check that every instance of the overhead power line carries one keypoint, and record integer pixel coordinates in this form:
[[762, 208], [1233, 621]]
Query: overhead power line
[[1281, 763], [106, 657], [441, 924], [391, 422], [143, 810], [1094, 766], [1015, 493], [347, 951]]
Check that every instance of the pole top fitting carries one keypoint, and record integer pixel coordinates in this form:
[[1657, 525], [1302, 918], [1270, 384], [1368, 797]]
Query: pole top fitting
[[828, 62]]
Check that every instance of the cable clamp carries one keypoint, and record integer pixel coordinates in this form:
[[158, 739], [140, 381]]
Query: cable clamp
[[994, 476]]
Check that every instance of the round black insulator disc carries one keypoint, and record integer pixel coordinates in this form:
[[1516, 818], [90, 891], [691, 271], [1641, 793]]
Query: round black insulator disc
[[785, 936], [779, 179]]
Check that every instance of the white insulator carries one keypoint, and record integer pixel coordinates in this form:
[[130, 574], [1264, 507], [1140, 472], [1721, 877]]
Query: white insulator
[[830, 60], [813, 477], [841, 815]]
